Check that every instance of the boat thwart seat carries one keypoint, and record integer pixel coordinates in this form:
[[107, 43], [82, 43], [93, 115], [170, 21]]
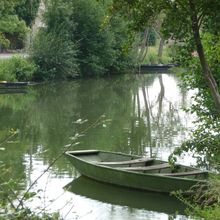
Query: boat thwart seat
[[188, 173], [126, 162], [147, 168]]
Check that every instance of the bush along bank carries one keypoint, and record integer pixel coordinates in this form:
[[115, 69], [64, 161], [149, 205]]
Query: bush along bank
[[17, 68]]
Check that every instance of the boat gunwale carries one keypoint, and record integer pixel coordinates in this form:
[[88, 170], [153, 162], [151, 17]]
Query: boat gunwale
[[133, 172]]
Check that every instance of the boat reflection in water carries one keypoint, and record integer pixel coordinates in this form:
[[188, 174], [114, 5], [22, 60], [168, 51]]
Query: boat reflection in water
[[117, 195]]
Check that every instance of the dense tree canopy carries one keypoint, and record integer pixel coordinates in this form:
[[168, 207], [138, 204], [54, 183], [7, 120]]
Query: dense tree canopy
[[94, 42], [27, 10], [15, 16], [11, 27], [78, 33]]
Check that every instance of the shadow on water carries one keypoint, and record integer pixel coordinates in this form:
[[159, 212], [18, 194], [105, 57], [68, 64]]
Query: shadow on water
[[124, 196]]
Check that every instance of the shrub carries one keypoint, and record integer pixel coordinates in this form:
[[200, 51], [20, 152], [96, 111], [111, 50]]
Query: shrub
[[17, 69], [53, 49], [55, 56], [6, 73], [204, 202]]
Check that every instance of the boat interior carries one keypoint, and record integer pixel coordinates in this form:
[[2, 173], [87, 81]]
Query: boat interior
[[139, 164]]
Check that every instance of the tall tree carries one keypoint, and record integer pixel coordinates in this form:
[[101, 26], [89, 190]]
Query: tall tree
[[184, 19], [94, 42]]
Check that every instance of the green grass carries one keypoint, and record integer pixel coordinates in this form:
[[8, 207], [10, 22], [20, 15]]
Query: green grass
[[152, 57], [205, 204]]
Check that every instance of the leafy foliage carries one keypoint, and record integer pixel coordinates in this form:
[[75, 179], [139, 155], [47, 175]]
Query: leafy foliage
[[10, 24], [204, 142], [3, 41], [11, 27], [95, 51], [55, 56], [53, 50], [27, 11], [102, 41], [122, 45], [16, 69], [7, 6], [79, 34]]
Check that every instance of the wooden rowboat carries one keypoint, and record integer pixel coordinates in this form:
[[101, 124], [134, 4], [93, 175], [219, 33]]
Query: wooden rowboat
[[135, 172]]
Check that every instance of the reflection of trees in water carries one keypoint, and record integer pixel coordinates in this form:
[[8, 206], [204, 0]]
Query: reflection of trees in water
[[161, 116], [139, 118], [12, 106], [147, 113]]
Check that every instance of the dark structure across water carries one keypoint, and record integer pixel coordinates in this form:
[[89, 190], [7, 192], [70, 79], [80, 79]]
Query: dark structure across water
[[159, 68], [12, 85]]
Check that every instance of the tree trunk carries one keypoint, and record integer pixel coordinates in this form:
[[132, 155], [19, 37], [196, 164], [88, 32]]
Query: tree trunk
[[144, 47], [160, 49], [144, 54], [205, 67]]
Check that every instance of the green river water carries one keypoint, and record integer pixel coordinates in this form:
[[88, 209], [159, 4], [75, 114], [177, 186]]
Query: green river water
[[139, 115]]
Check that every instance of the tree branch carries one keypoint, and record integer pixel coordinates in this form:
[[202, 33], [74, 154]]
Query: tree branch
[[93, 125], [200, 19]]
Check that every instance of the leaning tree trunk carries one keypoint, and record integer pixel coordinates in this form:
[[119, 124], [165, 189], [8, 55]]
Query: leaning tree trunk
[[144, 47], [210, 80], [160, 49]]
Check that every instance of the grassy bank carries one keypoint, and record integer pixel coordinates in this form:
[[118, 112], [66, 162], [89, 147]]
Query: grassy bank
[[205, 204], [153, 58]]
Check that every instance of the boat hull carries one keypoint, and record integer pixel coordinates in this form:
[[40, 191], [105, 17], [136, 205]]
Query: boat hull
[[142, 181]]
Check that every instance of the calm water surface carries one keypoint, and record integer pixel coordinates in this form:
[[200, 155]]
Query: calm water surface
[[131, 114]]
